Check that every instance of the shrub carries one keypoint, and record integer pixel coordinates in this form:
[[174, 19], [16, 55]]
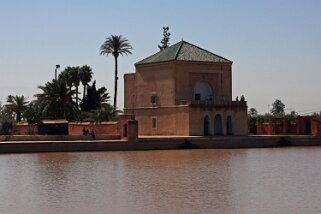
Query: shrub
[[6, 121], [6, 125]]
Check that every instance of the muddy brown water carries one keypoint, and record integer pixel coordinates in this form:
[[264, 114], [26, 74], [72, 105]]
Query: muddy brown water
[[273, 180]]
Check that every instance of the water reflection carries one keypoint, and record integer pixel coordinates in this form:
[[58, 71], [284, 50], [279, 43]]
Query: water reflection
[[183, 181]]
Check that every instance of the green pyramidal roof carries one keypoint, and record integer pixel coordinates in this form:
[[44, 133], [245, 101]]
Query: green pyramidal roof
[[183, 51]]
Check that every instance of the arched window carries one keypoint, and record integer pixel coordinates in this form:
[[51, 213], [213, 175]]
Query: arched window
[[203, 91], [206, 125], [229, 126], [218, 126]]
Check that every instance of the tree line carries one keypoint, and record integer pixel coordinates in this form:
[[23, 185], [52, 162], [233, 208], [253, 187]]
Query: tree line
[[59, 98], [277, 113]]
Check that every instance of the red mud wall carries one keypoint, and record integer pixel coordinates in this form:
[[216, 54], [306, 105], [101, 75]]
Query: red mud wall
[[99, 129], [25, 129], [104, 128], [316, 128], [304, 125], [278, 129]]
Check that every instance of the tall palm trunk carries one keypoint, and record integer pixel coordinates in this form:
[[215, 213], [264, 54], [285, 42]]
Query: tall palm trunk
[[116, 79], [77, 96], [84, 94], [18, 116]]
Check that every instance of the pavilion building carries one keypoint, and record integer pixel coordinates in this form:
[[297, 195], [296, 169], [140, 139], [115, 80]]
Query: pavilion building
[[184, 90]]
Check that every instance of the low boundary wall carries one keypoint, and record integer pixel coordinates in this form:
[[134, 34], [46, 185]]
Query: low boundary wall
[[161, 143], [105, 129], [35, 138]]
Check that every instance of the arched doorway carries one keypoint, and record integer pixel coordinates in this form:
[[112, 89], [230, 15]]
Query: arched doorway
[[229, 126], [203, 91], [206, 125], [218, 128]]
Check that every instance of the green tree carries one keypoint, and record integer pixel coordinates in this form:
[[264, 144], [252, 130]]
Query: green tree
[[165, 40], [6, 121], [71, 76], [104, 113], [277, 108], [17, 105], [66, 76], [85, 74], [252, 117], [94, 98], [33, 113], [252, 112], [292, 117], [56, 100], [115, 45]]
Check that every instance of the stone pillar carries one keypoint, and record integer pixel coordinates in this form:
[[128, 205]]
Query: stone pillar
[[132, 131]]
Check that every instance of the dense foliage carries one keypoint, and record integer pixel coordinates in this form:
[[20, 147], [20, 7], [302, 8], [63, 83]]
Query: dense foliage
[[6, 121], [17, 105], [252, 116], [277, 108], [60, 99], [56, 101], [94, 98]]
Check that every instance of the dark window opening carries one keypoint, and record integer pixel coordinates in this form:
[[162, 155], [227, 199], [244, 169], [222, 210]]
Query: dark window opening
[[153, 99], [154, 122], [197, 96], [308, 127], [206, 126]]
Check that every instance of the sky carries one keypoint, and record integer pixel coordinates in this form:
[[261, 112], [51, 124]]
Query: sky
[[275, 45]]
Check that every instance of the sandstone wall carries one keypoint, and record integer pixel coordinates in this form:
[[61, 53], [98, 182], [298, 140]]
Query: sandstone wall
[[170, 120]]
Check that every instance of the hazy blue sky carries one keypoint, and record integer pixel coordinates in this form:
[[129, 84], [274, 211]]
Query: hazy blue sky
[[275, 45]]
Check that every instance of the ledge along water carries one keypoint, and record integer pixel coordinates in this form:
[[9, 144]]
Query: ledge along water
[[27, 143]]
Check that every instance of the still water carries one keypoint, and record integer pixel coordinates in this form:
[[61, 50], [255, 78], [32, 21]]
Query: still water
[[280, 180]]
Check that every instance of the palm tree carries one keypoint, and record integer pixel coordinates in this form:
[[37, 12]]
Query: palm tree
[[75, 80], [85, 75], [56, 100], [17, 104], [66, 76], [33, 113], [115, 45], [71, 76]]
